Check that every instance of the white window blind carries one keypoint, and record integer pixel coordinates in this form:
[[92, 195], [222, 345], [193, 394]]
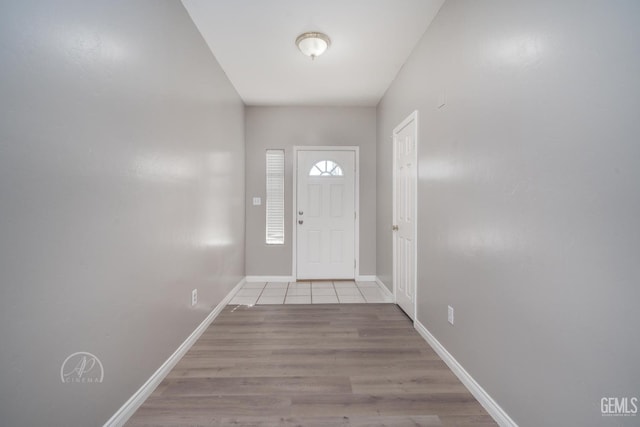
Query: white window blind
[[275, 197]]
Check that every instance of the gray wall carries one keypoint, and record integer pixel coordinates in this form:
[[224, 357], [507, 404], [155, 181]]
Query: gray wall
[[121, 189], [528, 199], [285, 127]]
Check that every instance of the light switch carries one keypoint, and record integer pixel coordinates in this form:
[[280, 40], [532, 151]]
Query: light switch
[[257, 201]]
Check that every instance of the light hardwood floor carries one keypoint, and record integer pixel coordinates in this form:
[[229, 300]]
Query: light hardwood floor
[[350, 365]]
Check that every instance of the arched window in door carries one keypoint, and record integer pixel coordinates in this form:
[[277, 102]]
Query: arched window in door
[[326, 168]]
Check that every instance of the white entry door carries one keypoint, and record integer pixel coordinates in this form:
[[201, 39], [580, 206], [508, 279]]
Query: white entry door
[[404, 213], [325, 215]]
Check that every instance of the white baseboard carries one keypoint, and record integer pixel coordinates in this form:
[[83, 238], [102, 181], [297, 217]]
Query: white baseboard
[[487, 402], [251, 279], [131, 406], [384, 289], [364, 278]]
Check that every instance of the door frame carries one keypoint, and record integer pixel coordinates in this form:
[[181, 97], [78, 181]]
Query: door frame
[[411, 117], [294, 217]]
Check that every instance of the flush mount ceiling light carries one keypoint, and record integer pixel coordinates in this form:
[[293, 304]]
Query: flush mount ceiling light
[[313, 44]]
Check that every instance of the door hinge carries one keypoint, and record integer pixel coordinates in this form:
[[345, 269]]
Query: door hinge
[[354, 215], [354, 263]]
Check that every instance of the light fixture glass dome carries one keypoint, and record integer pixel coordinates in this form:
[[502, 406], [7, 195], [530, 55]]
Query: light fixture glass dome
[[313, 44]]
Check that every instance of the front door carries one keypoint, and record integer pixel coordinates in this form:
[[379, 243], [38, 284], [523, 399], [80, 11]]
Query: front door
[[325, 215], [404, 213]]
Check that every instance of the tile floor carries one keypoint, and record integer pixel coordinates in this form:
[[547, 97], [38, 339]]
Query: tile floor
[[324, 292]]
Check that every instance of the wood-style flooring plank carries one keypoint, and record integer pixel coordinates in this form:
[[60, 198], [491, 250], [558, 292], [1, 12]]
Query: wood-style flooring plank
[[269, 421], [350, 365], [388, 404], [249, 386]]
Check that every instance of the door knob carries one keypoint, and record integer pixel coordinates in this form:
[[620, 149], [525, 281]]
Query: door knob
[[394, 227], [300, 222]]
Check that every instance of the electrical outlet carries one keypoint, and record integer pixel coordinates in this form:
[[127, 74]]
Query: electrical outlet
[[257, 201], [194, 297], [450, 315]]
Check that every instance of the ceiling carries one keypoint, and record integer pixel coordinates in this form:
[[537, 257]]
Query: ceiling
[[254, 42]]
